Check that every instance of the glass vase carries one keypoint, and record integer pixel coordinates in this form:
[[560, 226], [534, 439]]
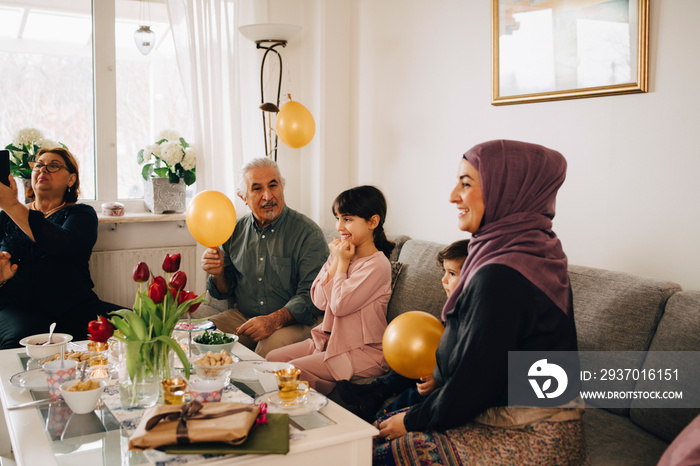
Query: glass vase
[[142, 366]]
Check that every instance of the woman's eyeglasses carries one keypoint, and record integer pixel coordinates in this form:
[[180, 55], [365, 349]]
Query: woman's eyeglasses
[[52, 167]]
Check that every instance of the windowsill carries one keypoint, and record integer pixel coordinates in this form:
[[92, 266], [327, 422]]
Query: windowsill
[[140, 217]]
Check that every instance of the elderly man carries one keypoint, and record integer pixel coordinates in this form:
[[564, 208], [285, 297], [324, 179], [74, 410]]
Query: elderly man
[[268, 265]]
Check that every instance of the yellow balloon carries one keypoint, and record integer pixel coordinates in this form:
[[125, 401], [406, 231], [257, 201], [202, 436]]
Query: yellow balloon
[[211, 218], [410, 342], [295, 125]]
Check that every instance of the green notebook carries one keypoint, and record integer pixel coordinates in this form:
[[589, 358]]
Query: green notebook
[[270, 438]]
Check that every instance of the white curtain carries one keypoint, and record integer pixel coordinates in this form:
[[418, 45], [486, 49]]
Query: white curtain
[[206, 42], [207, 45]]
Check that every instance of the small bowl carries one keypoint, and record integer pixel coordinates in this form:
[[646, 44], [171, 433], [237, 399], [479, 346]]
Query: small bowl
[[216, 348], [113, 209], [266, 374], [206, 391], [35, 348], [82, 402], [213, 372]]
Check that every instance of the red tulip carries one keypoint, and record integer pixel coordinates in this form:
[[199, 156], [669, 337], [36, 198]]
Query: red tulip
[[141, 272], [171, 263], [186, 296], [161, 281], [193, 307], [178, 280], [156, 292], [101, 329]]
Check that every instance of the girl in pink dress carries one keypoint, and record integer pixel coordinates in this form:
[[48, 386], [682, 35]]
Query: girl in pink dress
[[353, 289]]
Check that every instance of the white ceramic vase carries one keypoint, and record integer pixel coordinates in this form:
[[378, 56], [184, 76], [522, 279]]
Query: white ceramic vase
[[162, 196]]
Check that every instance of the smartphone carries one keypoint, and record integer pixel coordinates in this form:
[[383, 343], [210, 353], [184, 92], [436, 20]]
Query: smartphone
[[5, 167]]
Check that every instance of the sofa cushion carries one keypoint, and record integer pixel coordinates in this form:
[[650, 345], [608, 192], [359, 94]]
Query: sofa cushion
[[613, 440], [617, 311], [419, 286], [678, 330]]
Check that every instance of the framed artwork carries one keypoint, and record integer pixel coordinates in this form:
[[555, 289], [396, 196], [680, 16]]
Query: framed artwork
[[547, 50]]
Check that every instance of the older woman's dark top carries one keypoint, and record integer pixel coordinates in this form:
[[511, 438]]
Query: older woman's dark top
[[52, 282], [498, 311]]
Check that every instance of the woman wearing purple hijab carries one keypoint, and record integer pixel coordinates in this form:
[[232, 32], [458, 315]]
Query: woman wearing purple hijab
[[513, 295]]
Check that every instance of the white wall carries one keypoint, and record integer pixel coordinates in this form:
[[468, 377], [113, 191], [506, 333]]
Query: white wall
[[400, 89]]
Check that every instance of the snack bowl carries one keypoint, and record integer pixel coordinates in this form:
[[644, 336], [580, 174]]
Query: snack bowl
[[36, 349], [204, 348], [206, 391], [267, 374], [213, 372], [213, 365], [82, 402]]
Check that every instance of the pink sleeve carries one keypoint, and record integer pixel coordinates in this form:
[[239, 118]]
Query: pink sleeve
[[350, 294], [685, 449], [318, 291]]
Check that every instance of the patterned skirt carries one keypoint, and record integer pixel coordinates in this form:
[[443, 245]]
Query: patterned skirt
[[550, 443]]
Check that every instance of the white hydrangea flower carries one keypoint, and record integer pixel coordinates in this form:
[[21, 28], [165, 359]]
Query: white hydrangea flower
[[169, 134], [153, 149], [189, 161], [47, 143], [171, 152], [27, 136]]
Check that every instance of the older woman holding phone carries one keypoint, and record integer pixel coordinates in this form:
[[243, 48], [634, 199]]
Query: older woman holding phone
[[513, 295], [44, 252]]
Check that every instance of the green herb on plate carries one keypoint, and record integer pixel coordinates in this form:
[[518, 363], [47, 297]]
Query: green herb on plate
[[213, 338]]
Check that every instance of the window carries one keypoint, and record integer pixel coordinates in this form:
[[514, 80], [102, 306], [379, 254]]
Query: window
[[103, 113]]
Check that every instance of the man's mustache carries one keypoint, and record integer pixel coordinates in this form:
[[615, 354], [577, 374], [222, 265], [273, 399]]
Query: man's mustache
[[268, 204]]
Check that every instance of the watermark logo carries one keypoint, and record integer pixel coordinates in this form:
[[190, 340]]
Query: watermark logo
[[544, 372], [542, 378], [604, 379]]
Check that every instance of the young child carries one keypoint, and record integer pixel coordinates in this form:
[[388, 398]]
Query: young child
[[365, 400], [353, 288]]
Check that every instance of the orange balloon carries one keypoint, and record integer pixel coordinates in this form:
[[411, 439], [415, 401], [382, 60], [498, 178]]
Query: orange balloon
[[295, 125], [211, 218], [410, 342]]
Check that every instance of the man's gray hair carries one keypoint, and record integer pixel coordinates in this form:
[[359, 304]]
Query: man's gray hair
[[259, 162]]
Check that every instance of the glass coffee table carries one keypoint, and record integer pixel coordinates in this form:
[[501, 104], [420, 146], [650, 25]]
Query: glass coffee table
[[52, 434]]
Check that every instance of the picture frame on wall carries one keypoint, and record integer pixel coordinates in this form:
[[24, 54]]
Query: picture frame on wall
[[545, 50]]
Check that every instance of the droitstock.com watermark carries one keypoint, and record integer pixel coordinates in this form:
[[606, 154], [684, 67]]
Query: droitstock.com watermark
[[605, 379]]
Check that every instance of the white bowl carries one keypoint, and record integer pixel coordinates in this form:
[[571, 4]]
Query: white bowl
[[204, 371], [266, 374], [82, 402], [35, 348], [216, 348], [206, 391]]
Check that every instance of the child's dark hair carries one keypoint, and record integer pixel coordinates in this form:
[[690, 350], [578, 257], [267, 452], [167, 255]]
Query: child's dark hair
[[365, 202], [455, 251]]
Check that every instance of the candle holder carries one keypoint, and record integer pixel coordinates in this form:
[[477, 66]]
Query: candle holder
[[174, 391]]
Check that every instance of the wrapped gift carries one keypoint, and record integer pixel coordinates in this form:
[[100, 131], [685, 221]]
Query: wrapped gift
[[194, 423]]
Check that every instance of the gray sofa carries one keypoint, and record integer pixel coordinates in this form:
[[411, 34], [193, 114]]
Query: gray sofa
[[614, 312]]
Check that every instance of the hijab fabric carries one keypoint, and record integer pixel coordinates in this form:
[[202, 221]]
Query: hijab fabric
[[519, 183]]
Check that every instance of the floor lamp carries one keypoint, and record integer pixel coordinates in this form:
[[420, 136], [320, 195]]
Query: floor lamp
[[269, 37]]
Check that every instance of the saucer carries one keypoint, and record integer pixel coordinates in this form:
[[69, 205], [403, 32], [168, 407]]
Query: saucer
[[312, 402], [275, 399], [32, 379], [244, 371], [187, 326]]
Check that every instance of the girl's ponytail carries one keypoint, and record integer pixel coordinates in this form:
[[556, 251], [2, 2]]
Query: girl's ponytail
[[381, 242]]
